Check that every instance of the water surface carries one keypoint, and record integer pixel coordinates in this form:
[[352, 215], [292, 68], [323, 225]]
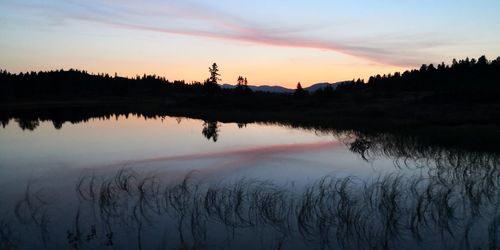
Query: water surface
[[169, 182]]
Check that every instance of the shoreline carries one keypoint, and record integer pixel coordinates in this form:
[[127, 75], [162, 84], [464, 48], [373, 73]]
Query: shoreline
[[474, 136]]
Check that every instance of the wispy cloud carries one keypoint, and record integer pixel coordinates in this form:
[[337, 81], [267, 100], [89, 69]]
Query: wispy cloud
[[201, 20]]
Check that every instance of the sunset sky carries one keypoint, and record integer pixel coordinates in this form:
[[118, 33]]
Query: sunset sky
[[269, 42]]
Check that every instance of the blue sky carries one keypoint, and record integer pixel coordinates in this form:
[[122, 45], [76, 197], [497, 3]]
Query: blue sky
[[270, 42]]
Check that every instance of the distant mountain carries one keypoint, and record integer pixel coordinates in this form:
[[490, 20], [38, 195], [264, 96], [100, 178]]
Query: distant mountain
[[279, 89], [321, 85], [263, 88], [272, 89]]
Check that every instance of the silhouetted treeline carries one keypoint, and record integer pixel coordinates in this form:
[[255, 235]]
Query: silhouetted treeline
[[468, 79], [76, 83], [464, 80], [464, 92]]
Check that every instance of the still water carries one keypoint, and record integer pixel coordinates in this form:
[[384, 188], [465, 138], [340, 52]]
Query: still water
[[130, 182]]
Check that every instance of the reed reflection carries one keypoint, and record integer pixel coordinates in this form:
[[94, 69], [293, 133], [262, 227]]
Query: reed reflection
[[146, 211]]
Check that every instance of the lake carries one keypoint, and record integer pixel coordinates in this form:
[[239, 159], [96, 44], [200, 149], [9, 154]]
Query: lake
[[137, 182]]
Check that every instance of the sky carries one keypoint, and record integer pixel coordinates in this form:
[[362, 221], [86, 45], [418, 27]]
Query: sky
[[269, 42]]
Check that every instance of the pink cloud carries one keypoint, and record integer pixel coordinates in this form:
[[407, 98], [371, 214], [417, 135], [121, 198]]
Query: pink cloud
[[208, 22], [380, 55]]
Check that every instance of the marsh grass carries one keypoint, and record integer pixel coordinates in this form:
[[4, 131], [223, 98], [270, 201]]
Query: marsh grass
[[455, 204], [8, 237], [386, 212]]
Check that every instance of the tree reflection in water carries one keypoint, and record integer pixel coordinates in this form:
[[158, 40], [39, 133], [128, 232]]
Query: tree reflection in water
[[210, 130]]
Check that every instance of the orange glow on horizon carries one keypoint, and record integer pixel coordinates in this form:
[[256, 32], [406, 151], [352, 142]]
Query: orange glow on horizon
[[282, 75]]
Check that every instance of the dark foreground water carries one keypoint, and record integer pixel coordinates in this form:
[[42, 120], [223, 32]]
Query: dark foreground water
[[167, 183]]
